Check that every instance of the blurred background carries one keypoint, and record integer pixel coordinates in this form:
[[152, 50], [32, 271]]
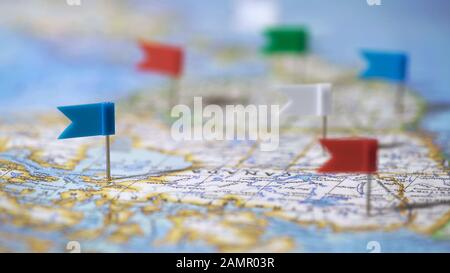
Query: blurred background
[[53, 48], [55, 52]]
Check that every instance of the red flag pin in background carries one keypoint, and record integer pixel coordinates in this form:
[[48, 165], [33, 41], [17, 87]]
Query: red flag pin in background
[[160, 58], [163, 59], [352, 155]]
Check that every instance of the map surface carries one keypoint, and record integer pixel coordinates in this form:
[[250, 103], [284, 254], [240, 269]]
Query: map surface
[[198, 196]]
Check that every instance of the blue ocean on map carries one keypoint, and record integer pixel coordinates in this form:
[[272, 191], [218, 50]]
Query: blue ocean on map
[[36, 75]]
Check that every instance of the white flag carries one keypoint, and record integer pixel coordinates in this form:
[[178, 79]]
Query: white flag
[[255, 15], [307, 99]]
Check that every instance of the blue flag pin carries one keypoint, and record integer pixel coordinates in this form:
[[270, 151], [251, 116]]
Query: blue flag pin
[[91, 120], [391, 66], [385, 65]]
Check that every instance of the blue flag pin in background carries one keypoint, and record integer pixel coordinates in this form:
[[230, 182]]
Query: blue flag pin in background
[[91, 120], [391, 66], [385, 65]]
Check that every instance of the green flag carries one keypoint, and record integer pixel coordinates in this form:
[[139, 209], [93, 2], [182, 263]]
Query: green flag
[[292, 39]]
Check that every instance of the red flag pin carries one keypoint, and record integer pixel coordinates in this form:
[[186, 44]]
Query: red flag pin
[[163, 59], [352, 155]]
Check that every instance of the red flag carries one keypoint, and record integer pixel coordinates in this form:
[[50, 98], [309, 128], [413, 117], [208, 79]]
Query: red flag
[[161, 58], [350, 155]]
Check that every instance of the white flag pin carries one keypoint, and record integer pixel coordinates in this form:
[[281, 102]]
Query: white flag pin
[[309, 99], [255, 15]]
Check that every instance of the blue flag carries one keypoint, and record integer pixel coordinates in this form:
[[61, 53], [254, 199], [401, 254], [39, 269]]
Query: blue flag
[[385, 65], [89, 120]]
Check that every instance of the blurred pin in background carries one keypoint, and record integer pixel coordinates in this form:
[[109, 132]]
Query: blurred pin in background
[[390, 66], [253, 16], [167, 60], [309, 99], [288, 45]]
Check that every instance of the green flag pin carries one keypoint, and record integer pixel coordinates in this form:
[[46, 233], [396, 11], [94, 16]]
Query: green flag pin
[[286, 40]]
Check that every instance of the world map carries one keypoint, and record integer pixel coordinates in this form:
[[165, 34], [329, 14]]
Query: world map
[[198, 196]]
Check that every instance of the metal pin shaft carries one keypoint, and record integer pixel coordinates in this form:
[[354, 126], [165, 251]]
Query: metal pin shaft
[[369, 189], [108, 159], [174, 92], [324, 126], [400, 99]]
